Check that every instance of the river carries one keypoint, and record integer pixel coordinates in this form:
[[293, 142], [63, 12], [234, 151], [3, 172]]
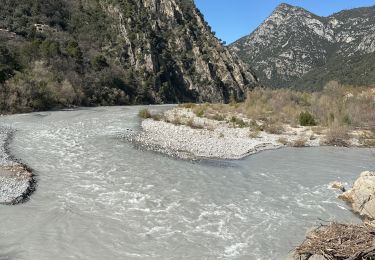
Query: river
[[99, 197]]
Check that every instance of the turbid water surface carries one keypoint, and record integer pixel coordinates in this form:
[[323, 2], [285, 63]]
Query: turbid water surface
[[99, 197]]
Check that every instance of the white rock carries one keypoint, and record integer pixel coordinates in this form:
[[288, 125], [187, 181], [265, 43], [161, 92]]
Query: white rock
[[362, 196]]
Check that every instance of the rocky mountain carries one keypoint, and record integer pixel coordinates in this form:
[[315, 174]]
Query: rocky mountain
[[59, 53], [294, 47]]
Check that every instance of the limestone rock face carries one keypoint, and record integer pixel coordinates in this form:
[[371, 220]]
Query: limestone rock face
[[362, 196], [294, 47], [169, 43]]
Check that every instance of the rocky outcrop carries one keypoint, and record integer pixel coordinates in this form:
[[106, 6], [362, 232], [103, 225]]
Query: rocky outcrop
[[296, 47], [361, 197], [171, 39]]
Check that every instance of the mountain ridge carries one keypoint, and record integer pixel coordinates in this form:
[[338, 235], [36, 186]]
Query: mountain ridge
[[292, 43]]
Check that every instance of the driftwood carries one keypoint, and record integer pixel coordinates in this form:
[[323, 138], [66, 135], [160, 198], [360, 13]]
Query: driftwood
[[340, 241]]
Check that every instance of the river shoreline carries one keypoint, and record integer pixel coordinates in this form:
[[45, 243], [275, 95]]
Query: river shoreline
[[17, 182], [182, 134], [256, 208]]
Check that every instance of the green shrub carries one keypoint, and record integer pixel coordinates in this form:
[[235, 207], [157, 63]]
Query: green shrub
[[273, 128], [346, 120], [301, 142], [8, 64], [306, 119], [238, 122], [144, 113], [50, 48], [74, 50], [100, 62], [199, 112]]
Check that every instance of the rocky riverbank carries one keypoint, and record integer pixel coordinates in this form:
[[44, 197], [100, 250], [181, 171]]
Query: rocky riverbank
[[16, 180], [361, 197], [345, 241], [182, 133], [337, 241]]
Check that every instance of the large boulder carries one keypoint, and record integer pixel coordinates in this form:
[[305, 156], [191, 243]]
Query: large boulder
[[362, 196]]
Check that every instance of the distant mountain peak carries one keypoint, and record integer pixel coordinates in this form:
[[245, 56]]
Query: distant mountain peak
[[293, 42], [292, 10], [285, 6]]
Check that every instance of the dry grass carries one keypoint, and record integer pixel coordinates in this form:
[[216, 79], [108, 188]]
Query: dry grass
[[144, 113], [368, 143], [301, 142], [340, 241], [199, 111], [283, 141], [187, 105], [254, 134], [274, 128], [318, 130], [238, 122], [192, 124], [337, 110], [335, 104], [217, 117], [368, 138], [337, 136]]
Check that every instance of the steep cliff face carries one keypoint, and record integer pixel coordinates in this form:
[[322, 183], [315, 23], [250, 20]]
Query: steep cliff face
[[106, 52], [174, 47], [292, 46]]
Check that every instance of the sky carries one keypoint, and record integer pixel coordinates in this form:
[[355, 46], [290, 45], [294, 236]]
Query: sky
[[232, 19]]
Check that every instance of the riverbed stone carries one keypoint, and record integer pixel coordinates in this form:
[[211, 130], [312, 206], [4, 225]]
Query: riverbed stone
[[361, 197], [185, 135], [15, 184]]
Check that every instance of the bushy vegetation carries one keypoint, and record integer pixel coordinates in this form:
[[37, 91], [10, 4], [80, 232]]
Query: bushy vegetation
[[103, 51], [51, 57], [238, 122], [306, 119], [144, 113], [301, 142], [335, 105], [335, 111]]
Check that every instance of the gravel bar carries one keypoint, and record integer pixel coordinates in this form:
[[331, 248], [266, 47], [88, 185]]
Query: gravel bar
[[16, 180]]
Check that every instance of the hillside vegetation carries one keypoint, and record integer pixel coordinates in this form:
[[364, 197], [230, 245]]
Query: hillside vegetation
[[61, 53]]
